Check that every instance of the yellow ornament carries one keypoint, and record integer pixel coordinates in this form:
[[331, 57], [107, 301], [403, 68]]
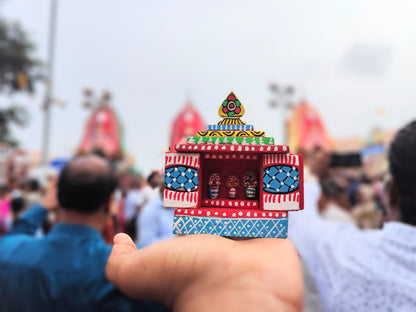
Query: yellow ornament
[[231, 107]]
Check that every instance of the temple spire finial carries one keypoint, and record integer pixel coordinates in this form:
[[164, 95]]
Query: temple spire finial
[[231, 110]]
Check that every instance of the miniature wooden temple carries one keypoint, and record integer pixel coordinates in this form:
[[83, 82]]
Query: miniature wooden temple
[[231, 180]]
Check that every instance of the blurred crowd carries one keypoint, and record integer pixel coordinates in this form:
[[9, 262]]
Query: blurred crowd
[[348, 193], [16, 198], [136, 206]]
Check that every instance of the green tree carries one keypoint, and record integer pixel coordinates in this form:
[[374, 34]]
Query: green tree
[[16, 115], [17, 74]]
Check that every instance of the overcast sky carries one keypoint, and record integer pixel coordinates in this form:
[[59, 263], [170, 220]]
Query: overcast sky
[[348, 58]]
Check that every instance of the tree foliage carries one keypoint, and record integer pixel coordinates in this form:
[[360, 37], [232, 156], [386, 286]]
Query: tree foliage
[[17, 66], [13, 114], [17, 74]]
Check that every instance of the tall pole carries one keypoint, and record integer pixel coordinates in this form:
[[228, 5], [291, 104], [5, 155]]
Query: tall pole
[[49, 84], [283, 99]]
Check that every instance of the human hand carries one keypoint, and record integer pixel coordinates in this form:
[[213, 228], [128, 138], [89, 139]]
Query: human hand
[[209, 273], [50, 199]]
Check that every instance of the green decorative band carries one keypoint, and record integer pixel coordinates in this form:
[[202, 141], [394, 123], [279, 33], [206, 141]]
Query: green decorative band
[[232, 140], [230, 133]]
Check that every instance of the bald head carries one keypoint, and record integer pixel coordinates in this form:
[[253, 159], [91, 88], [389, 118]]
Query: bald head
[[86, 184], [89, 164]]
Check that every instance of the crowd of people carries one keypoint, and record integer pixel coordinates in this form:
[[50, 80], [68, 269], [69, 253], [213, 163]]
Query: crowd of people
[[136, 207], [132, 199], [355, 239], [15, 199], [348, 193]]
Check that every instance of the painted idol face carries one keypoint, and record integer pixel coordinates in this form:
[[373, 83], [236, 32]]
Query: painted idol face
[[250, 179], [233, 181], [214, 180]]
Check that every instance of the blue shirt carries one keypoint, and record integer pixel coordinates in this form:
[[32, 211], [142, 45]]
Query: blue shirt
[[155, 222], [64, 271], [356, 270]]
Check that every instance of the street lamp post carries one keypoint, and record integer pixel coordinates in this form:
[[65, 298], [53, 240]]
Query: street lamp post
[[283, 98], [49, 85]]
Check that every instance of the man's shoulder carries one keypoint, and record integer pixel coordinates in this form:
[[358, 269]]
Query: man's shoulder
[[53, 265], [21, 248], [16, 242]]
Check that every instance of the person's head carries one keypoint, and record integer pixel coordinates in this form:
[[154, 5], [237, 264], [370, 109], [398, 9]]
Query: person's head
[[154, 179], [334, 189], [136, 183], [124, 182], [319, 161], [365, 193], [86, 185], [23, 185], [33, 185], [17, 206], [402, 188], [99, 152]]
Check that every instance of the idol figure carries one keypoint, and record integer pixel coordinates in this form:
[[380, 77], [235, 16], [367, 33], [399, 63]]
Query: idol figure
[[250, 185], [233, 182], [214, 183]]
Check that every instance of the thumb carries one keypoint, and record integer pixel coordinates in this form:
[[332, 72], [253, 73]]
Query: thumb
[[122, 248], [123, 245]]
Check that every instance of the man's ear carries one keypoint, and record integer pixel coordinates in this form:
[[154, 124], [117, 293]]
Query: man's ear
[[393, 200], [393, 193]]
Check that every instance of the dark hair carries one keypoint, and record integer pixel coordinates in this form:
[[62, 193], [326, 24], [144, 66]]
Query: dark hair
[[33, 185], [151, 176], [402, 160], [137, 182], [331, 186], [99, 152], [17, 205], [84, 190]]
